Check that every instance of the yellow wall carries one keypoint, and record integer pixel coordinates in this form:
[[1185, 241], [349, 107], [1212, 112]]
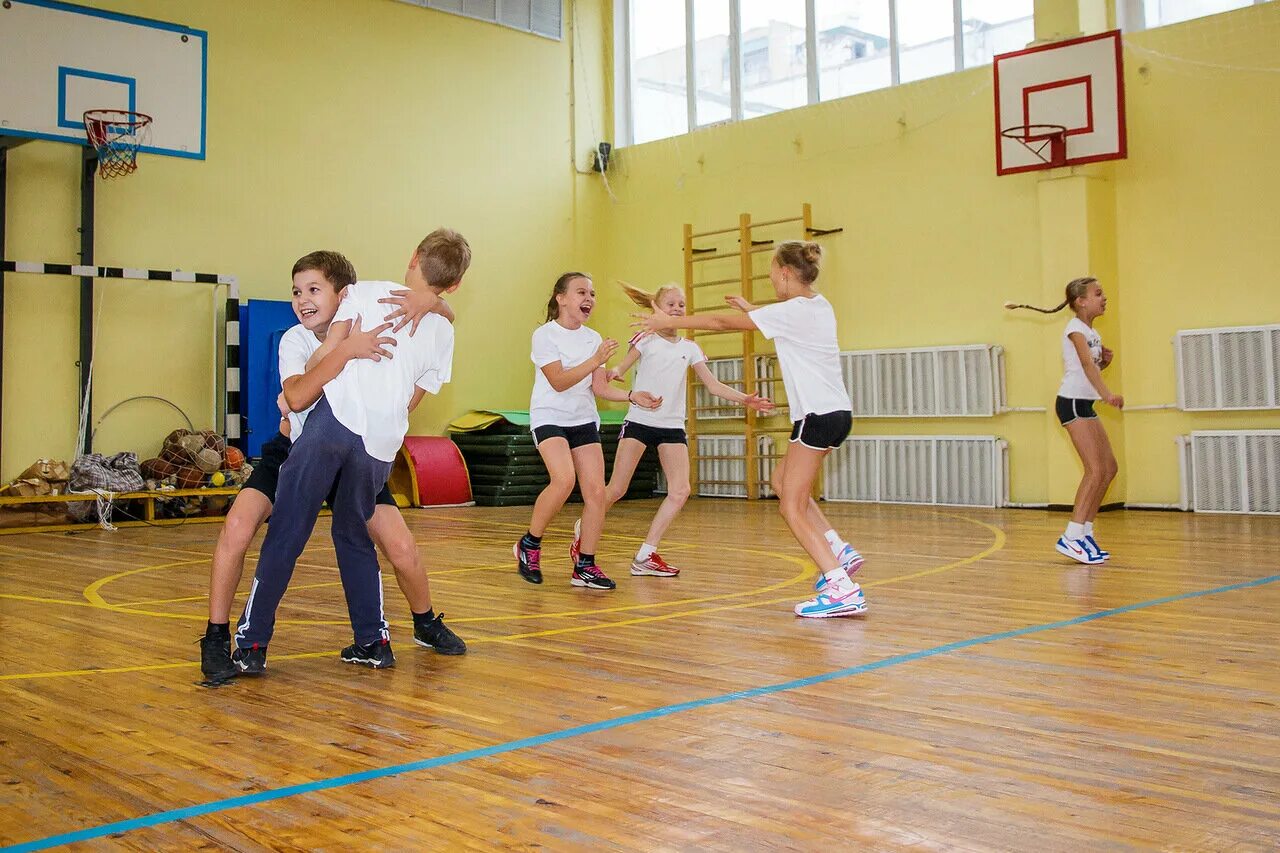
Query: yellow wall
[[1182, 233], [331, 123]]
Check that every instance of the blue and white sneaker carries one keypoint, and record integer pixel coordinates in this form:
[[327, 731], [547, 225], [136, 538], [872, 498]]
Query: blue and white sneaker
[[848, 559], [837, 601], [1078, 550], [1097, 549]]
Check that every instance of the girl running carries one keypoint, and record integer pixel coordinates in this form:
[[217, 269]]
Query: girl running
[[570, 360], [1083, 360], [665, 359], [802, 324]]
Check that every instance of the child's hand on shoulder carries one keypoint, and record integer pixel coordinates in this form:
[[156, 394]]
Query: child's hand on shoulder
[[371, 344], [411, 307]]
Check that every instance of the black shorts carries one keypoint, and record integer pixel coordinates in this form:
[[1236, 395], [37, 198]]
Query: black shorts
[[651, 436], [266, 474], [822, 432], [1071, 409], [577, 436]]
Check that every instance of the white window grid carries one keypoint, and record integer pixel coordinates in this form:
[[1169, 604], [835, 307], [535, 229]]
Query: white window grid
[[623, 71], [1228, 368], [965, 381], [539, 17]]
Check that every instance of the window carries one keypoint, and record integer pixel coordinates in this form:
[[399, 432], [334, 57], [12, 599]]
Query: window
[[926, 39], [1157, 13], [995, 26], [711, 61], [698, 62], [775, 74], [659, 98], [853, 47]]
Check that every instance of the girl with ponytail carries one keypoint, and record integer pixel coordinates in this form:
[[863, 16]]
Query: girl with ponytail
[[665, 359], [802, 324], [569, 359], [1083, 360]]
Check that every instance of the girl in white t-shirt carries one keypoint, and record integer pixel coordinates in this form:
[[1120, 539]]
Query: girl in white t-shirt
[[802, 325], [1083, 360], [665, 359], [570, 360]]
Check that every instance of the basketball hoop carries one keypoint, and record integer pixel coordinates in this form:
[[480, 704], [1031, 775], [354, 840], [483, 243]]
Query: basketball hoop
[[1050, 136], [116, 135]]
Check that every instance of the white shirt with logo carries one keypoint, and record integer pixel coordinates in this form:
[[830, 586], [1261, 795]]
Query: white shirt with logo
[[571, 347], [664, 371], [1075, 384]]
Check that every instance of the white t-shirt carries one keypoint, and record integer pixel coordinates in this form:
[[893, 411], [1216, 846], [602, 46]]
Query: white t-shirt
[[1075, 384], [804, 331], [296, 346], [663, 371], [371, 398], [571, 347]]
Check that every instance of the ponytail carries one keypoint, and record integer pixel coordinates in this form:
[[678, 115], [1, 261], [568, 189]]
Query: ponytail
[[1076, 289], [644, 298]]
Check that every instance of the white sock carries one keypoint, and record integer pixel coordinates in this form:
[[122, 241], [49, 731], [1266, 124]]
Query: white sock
[[645, 551], [837, 575], [1088, 528], [837, 544], [1074, 531]]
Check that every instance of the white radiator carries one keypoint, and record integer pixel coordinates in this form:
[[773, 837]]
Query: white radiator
[[1236, 367], [1234, 471], [719, 475], [932, 469], [937, 382]]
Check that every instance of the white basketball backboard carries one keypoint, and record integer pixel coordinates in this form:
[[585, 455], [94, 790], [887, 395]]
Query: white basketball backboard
[[58, 60], [1077, 84]]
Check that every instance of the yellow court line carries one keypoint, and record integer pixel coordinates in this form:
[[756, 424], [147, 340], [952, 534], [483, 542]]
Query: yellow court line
[[46, 600], [996, 545]]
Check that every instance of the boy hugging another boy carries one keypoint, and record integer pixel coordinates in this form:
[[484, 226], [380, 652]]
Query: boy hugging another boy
[[350, 441]]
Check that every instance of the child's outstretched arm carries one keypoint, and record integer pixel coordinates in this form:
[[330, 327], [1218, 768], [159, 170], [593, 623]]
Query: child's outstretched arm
[[719, 389], [659, 321], [1092, 373], [615, 374], [343, 342]]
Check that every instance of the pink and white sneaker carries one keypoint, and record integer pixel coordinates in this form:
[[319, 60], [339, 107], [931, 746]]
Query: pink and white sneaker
[[653, 565]]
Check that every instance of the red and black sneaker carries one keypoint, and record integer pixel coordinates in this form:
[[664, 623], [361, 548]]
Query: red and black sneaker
[[528, 562], [653, 565], [591, 577]]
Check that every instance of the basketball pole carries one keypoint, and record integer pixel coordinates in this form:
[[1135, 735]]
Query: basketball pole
[[88, 167]]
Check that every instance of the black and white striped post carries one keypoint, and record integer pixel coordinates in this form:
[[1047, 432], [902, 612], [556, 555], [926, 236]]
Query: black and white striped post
[[230, 416]]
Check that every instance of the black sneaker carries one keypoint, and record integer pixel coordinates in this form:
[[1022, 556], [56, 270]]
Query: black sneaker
[[215, 659], [528, 562], [377, 655], [591, 577], [252, 661], [436, 635]]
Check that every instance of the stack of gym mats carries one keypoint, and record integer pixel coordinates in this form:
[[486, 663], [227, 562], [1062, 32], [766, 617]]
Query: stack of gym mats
[[504, 464]]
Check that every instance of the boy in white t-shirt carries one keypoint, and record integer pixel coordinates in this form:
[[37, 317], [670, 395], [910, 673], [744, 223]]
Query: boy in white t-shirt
[[352, 436], [318, 281]]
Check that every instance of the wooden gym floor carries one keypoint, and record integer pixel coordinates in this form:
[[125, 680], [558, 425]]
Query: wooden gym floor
[[996, 697]]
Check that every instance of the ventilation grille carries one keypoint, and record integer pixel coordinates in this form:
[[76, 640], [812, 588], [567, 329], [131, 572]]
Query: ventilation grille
[[1229, 368], [932, 382], [722, 472], [540, 17], [948, 470], [729, 371], [1235, 471]]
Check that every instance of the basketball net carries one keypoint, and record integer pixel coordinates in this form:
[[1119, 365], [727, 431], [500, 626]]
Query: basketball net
[[116, 135]]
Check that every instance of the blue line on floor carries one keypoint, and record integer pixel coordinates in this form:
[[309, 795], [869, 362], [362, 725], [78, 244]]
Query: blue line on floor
[[603, 725]]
